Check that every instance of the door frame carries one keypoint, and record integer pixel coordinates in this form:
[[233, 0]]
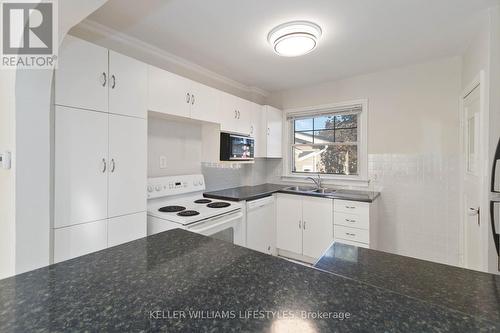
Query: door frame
[[479, 81]]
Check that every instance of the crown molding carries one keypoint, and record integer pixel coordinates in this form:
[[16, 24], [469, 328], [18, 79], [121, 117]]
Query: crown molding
[[117, 36]]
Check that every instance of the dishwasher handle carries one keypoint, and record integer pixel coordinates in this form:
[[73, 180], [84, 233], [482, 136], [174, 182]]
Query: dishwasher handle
[[260, 203]]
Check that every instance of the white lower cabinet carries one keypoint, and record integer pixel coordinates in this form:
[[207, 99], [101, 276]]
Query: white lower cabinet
[[77, 240], [126, 228], [304, 225], [355, 223]]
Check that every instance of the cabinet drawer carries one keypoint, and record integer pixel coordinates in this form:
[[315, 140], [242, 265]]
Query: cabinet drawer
[[351, 207], [361, 221], [352, 234]]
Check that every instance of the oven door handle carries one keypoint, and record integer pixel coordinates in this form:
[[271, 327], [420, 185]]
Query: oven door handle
[[216, 225]]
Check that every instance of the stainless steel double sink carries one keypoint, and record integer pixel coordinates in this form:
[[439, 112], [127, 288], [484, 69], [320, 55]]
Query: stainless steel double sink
[[311, 190]]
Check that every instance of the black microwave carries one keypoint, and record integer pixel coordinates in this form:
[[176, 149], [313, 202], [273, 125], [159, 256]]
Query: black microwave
[[236, 147]]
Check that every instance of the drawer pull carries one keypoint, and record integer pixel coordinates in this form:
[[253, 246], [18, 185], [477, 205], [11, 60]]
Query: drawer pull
[[351, 221], [350, 207], [350, 234]]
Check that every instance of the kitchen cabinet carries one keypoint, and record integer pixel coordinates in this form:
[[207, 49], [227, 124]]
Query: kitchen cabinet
[[127, 165], [81, 79], [127, 77], [205, 103], [355, 223], [126, 228], [93, 78], [77, 240], [304, 225], [257, 130], [236, 114], [168, 93], [261, 225], [81, 161], [271, 134]]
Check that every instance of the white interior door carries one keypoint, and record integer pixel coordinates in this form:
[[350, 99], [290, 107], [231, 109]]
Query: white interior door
[[127, 165], [472, 180], [81, 165], [128, 84]]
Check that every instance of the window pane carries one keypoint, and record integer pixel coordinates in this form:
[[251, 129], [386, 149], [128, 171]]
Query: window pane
[[346, 135], [324, 122], [334, 159], [303, 137], [304, 124], [325, 136], [346, 121]]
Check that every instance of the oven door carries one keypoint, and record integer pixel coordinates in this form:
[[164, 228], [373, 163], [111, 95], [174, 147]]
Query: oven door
[[227, 227]]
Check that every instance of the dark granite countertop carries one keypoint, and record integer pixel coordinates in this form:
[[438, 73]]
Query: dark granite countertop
[[249, 193], [470, 292], [138, 286]]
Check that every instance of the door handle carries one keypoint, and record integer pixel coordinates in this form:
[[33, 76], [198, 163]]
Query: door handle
[[112, 165], [192, 99], [304, 225], [475, 212], [300, 224], [104, 165], [188, 98], [103, 79], [113, 81]]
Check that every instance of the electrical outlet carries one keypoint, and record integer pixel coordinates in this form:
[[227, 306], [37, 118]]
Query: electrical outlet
[[163, 162]]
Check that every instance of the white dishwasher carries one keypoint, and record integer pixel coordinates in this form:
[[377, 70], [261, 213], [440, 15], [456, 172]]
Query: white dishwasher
[[261, 225]]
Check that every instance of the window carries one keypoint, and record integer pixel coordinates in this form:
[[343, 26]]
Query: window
[[329, 141]]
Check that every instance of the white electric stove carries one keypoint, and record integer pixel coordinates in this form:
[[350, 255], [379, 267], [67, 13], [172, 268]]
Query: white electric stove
[[178, 202]]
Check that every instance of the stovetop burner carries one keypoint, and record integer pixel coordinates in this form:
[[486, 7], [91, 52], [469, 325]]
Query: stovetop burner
[[171, 209], [188, 213], [218, 204], [202, 201]]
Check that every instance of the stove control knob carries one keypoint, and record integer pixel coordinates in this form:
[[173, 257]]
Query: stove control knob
[[157, 188], [150, 188]]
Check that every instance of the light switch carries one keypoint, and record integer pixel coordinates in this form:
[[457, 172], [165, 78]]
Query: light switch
[[163, 162]]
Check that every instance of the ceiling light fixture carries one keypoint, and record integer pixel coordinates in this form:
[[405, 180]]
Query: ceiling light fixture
[[294, 38]]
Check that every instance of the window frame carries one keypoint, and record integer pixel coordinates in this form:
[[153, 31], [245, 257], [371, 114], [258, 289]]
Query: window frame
[[315, 111]]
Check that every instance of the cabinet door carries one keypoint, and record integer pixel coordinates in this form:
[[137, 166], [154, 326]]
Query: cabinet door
[[228, 113], [126, 228], [289, 223], [317, 216], [81, 152], [259, 131], [81, 79], [127, 165], [77, 240], [168, 93], [204, 103], [274, 119], [127, 86], [244, 119]]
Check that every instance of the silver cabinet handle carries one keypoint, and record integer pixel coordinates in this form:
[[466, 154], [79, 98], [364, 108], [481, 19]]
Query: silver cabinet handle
[[235, 114], [351, 221], [239, 114], [350, 207], [304, 225], [112, 165], [192, 99], [113, 80], [349, 234], [104, 166], [268, 131], [188, 98], [300, 224], [103, 79]]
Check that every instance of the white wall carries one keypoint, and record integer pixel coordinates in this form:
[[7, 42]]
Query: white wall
[[413, 146]]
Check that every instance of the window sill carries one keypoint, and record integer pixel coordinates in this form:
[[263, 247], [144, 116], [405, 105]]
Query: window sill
[[328, 180]]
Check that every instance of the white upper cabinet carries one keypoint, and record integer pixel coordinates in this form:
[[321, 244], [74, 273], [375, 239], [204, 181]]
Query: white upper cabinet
[[258, 130], [81, 166], [274, 135], [168, 93], [204, 102], [127, 77], [81, 79], [127, 165], [235, 114]]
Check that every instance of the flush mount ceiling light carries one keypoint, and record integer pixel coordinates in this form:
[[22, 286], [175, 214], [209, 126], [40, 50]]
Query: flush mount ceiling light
[[294, 38]]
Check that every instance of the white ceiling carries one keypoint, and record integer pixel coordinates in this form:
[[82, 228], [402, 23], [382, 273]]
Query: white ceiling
[[229, 36]]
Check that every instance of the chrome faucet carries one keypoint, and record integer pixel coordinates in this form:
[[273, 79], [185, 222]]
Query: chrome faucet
[[317, 182]]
